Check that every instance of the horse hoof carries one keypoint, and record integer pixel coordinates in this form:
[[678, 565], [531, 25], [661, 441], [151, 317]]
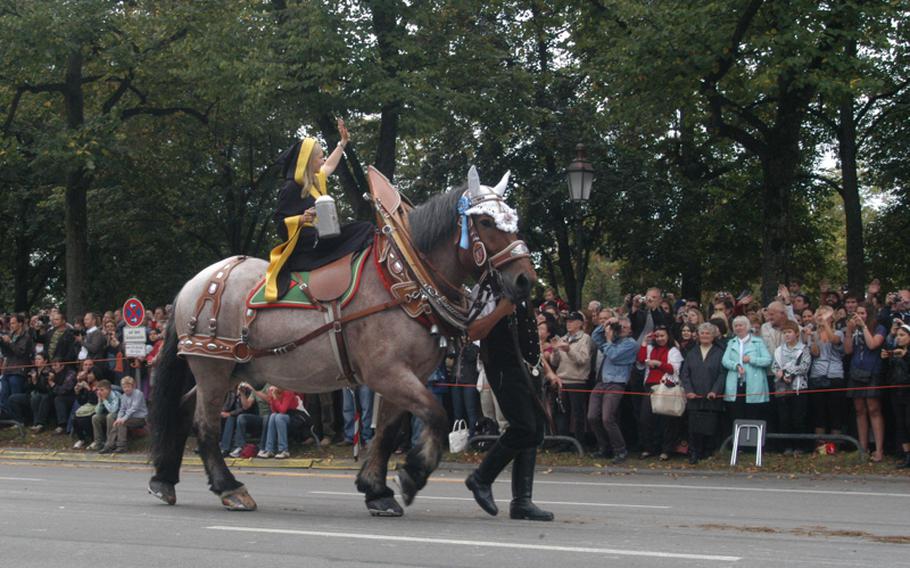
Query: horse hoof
[[407, 486], [163, 491], [384, 507], [238, 501]]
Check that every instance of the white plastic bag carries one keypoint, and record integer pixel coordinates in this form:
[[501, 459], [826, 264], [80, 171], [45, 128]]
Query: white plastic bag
[[458, 437]]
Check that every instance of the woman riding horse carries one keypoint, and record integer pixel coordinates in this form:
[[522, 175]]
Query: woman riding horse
[[306, 171]]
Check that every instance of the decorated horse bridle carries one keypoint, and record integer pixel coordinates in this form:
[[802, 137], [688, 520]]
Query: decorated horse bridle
[[515, 250]]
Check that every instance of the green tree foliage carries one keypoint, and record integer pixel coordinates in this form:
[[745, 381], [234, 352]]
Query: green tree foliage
[[743, 72], [137, 139]]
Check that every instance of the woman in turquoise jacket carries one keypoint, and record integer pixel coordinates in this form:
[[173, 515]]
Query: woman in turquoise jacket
[[747, 360]]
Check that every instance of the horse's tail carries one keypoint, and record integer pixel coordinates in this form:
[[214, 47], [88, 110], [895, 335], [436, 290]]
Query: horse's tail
[[170, 421]]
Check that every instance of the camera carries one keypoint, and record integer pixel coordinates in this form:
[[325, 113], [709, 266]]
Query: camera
[[616, 327]]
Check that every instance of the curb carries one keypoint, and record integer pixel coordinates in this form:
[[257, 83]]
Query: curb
[[44, 456]]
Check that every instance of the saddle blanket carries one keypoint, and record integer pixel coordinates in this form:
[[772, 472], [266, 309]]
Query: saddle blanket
[[297, 298]]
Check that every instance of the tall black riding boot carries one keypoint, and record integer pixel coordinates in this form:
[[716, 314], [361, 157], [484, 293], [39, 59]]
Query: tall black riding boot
[[522, 484], [480, 482]]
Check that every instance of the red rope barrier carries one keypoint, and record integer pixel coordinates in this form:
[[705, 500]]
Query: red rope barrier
[[77, 362], [719, 397]]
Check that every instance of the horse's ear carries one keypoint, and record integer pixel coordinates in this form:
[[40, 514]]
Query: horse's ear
[[473, 182], [500, 188]]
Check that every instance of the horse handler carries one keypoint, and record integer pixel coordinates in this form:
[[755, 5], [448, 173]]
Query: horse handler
[[516, 390]]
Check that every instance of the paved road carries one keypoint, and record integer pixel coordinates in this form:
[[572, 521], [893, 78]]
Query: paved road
[[92, 514]]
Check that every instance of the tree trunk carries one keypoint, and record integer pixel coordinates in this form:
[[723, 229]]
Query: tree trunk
[[691, 280], [21, 275], [853, 212], [779, 169], [388, 140], [552, 275], [77, 184]]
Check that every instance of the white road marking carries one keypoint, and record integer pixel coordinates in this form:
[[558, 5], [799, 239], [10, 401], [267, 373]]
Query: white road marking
[[484, 543], [721, 488], [573, 503], [20, 479]]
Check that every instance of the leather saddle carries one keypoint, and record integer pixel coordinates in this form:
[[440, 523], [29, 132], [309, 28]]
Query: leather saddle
[[328, 283]]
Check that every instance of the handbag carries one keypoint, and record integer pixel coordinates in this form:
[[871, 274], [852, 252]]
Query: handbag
[[668, 401], [860, 376], [458, 437]]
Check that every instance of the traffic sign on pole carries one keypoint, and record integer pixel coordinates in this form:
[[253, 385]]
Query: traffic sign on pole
[[133, 312]]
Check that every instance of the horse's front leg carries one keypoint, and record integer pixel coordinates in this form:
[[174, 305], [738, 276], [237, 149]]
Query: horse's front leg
[[371, 480], [411, 394]]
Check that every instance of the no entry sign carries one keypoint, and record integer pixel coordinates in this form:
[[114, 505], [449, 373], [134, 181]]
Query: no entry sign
[[133, 312]]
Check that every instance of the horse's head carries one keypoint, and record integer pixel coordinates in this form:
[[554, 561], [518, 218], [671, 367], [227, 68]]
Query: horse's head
[[489, 233]]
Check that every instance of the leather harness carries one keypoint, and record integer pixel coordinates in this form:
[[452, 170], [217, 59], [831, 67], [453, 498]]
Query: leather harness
[[401, 267]]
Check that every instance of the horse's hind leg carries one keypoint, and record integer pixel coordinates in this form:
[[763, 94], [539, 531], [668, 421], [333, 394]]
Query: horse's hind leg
[[371, 480], [213, 382], [411, 394], [167, 464]]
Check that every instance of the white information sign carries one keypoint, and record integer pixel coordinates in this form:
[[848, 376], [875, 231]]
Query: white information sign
[[134, 339]]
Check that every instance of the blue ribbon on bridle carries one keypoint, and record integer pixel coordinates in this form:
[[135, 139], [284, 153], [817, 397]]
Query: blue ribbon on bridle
[[463, 205]]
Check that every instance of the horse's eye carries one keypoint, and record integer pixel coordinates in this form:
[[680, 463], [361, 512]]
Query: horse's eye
[[486, 223]]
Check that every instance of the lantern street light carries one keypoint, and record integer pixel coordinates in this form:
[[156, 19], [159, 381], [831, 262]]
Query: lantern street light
[[580, 175]]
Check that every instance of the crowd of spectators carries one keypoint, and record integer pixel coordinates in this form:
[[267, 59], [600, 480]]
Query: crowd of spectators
[[832, 364], [75, 377], [823, 366]]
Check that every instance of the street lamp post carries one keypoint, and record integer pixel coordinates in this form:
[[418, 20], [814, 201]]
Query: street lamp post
[[579, 177]]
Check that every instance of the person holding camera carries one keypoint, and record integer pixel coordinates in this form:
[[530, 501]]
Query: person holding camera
[[864, 347], [87, 401], [790, 367], [39, 395], [898, 360], [254, 419], [897, 307], [17, 347], [613, 340], [62, 382], [236, 404], [662, 361], [826, 376], [571, 362], [645, 313], [113, 350]]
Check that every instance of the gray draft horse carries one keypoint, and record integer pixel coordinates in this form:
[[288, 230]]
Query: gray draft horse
[[390, 352]]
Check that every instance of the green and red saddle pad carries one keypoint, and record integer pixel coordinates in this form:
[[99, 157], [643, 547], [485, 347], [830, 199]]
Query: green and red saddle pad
[[296, 298]]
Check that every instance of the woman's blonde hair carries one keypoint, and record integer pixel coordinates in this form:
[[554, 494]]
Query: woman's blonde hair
[[309, 178]]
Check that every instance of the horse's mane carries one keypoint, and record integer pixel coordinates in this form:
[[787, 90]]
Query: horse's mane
[[435, 220]]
